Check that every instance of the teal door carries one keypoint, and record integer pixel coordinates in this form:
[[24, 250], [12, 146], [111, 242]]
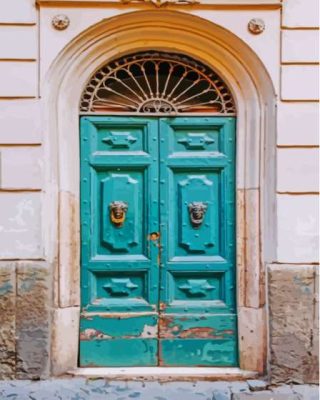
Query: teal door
[[158, 241]]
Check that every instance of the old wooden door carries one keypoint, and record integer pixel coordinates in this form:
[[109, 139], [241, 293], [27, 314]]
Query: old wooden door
[[158, 241]]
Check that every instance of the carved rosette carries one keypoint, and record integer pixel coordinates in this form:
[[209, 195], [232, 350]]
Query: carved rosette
[[60, 22], [256, 26]]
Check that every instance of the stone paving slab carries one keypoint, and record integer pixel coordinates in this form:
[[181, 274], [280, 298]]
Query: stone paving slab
[[101, 389], [267, 395]]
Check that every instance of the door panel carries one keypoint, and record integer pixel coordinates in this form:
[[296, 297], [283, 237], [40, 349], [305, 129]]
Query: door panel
[[185, 188], [197, 321], [158, 241], [195, 352], [119, 273]]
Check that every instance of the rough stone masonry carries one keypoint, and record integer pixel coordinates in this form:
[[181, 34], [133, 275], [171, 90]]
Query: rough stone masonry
[[82, 389]]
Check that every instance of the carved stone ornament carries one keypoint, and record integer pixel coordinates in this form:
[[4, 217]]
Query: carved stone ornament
[[256, 26], [197, 211], [60, 22], [118, 210], [160, 3]]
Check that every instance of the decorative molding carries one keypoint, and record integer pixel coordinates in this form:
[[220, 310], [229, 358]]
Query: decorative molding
[[159, 3], [60, 22], [119, 140], [256, 26], [157, 82], [120, 286], [197, 287]]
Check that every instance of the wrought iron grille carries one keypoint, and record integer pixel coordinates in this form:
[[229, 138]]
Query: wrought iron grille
[[156, 82]]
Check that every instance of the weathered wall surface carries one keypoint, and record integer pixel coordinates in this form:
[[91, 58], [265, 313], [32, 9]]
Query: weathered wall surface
[[293, 287], [25, 320], [294, 340], [26, 274], [25, 278]]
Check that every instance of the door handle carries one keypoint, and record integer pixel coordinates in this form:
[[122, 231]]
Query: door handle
[[197, 211], [117, 212]]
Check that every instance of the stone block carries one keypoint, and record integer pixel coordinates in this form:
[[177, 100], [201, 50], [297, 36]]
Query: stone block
[[33, 320], [292, 319], [18, 79], [65, 339], [264, 396], [254, 283], [298, 170], [69, 275], [20, 121], [294, 47], [300, 13], [221, 395], [299, 82], [18, 42], [20, 225], [298, 228], [241, 248], [7, 320], [21, 167], [257, 385], [18, 11], [239, 387], [282, 389], [307, 392], [252, 338], [298, 124]]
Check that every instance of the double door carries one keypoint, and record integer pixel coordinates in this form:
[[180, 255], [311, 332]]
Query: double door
[[158, 241]]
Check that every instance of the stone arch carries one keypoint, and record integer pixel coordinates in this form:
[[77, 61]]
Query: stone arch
[[254, 95]]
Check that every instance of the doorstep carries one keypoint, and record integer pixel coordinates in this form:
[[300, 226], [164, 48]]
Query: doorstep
[[166, 373]]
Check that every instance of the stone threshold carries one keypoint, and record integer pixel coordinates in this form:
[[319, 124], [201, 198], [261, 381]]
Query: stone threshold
[[166, 373]]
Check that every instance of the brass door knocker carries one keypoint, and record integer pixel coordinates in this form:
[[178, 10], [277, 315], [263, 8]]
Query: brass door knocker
[[117, 211], [197, 210]]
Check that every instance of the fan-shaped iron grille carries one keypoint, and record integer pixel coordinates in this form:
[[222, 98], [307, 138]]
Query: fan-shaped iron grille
[[156, 82]]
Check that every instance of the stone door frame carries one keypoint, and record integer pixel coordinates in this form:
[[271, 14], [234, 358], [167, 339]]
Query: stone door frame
[[254, 95]]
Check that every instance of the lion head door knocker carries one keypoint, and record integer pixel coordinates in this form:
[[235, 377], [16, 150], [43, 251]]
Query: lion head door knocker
[[197, 211], [117, 212]]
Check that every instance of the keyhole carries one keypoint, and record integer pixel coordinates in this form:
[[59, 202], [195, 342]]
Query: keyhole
[[154, 236]]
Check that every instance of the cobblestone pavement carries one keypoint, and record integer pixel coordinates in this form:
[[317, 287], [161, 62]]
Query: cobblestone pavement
[[82, 389]]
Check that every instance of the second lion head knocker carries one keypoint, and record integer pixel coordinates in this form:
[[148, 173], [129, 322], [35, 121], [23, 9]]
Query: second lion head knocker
[[117, 212], [197, 211]]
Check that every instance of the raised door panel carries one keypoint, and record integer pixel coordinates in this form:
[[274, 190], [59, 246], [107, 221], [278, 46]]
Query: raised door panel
[[194, 214], [119, 270], [197, 195], [119, 237]]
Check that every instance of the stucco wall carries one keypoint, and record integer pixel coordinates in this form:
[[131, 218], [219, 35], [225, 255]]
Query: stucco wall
[[26, 267]]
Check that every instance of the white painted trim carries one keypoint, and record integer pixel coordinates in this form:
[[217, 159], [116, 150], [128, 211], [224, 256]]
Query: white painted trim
[[162, 373]]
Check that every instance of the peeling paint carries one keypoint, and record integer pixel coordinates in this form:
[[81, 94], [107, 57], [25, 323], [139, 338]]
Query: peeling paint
[[149, 330], [197, 332], [205, 327], [5, 288], [90, 334]]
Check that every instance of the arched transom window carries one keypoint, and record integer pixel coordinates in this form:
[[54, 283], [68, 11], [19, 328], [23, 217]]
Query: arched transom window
[[156, 82]]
